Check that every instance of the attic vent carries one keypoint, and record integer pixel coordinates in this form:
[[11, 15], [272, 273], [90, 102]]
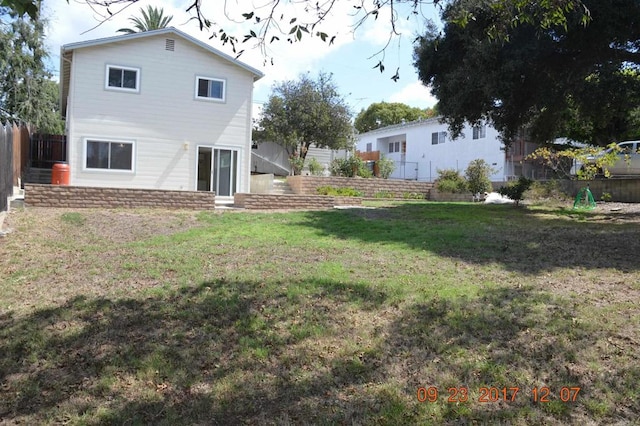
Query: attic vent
[[170, 45]]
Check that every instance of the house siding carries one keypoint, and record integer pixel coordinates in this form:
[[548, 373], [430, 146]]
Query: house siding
[[422, 159], [164, 119]]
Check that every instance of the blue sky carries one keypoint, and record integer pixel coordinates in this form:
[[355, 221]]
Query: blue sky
[[349, 59]]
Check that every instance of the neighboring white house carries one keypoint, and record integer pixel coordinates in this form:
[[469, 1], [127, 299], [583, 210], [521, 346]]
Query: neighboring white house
[[420, 148], [157, 109]]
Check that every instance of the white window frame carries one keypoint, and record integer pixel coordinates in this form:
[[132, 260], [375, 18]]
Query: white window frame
[[442, 137], [369, 146], [121, 89], [131, 142], [208, 98], [479, 132]]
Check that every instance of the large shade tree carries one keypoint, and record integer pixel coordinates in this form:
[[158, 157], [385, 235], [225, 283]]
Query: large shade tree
[[303, 112], [579, 79], [27, 92], [275, 21], [151, 19], [382, 114]]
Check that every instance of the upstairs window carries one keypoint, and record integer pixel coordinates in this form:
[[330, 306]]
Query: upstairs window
[[210, 88], [479, 132], [123, 78], [438, 137], [369, 147]]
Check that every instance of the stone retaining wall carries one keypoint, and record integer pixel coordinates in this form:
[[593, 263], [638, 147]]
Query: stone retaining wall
[[369, 187], [621, 190], [93, 197], [292, 202]]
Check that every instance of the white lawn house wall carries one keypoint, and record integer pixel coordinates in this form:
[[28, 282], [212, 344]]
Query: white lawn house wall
[[157, 110], [420, 148]]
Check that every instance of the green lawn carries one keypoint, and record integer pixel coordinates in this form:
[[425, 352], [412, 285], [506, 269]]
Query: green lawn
[[407, 313]]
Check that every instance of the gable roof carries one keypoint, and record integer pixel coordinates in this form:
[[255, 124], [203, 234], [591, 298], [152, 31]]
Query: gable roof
[[400, 127], [66, 52]]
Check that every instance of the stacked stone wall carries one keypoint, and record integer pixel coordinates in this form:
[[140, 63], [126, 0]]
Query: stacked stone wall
[[93, 197], [292, 202], [308, 185]]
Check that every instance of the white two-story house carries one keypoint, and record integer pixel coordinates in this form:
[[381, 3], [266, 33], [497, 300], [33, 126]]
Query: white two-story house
[[420, 148], [157, 109]]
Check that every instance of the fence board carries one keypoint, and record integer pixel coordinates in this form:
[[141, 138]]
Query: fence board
[[6, 165]]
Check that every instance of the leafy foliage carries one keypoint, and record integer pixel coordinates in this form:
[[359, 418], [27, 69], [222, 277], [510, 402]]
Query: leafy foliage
[[386, 166], [382, 114], [537, 75], [545, 192], [349, 167], [593, 161], [304, 112], [384, 194], [342, 191], [315, 168], [477, 175], [413, 196], [450, 180], [516, 189], [152, 19], [27, 92], [274, 21]]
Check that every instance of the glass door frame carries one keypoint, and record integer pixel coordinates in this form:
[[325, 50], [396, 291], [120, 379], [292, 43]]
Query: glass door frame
[[236, 166]]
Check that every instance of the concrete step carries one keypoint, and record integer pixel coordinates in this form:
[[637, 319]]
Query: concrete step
[[281, 187]]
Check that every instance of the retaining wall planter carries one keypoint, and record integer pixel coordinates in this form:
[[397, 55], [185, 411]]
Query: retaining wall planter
[[621, 190], [369, 187], [292, 202], [37, 195]]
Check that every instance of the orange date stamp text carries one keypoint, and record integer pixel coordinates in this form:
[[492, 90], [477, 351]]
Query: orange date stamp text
[[490, 394]]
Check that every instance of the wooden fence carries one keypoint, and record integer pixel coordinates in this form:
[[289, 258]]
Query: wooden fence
[[14, 154]]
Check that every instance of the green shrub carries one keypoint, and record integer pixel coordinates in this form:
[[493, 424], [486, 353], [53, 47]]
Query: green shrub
[[337, 167], [349, 167], [449, 180], [516, 189], [413, 196], [297, 163], [315, 168], [386, 166], [545, 192], [477, 175], [341, 192], [383, 194]]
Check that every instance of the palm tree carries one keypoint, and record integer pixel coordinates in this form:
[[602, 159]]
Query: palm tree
[[152, 19]]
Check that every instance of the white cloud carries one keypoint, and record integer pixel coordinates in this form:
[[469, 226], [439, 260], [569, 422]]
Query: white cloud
[[415, 94]]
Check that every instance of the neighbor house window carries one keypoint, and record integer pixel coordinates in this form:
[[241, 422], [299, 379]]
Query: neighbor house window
[[123, 78], [479, 132], [438, 137], [109, 155], [369, 147], [210, 88]]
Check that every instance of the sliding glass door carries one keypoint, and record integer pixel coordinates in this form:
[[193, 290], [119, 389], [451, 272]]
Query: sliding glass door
[[217, 170]]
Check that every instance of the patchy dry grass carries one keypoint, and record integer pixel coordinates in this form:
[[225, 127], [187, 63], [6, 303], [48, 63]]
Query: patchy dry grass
[[334, 317]]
